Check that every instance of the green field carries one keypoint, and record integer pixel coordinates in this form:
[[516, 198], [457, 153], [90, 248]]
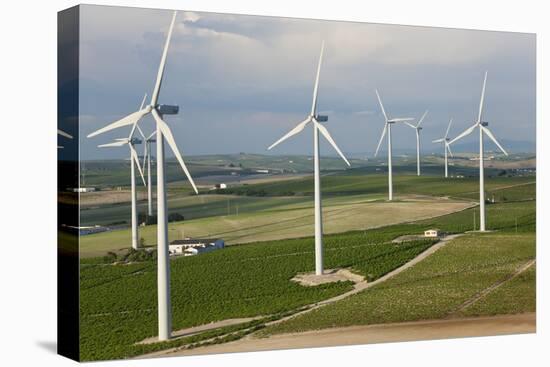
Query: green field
[[436, 287], [351, 202], [118, 302], [290, 219], [354, 182], [275, 220]]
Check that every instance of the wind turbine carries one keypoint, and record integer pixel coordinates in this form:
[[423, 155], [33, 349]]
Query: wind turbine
[[447, 147], [63, 133], [417, 129], [387, 127], [147, 162], [134, 161], [315, 119], [163, 133], [482, 125]]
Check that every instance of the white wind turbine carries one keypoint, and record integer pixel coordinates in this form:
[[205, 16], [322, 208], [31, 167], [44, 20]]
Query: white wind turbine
[[417, 129], [317, 127], [482, 125], [134, 161], [163, 133], [447, 147], [63, 133], [387, 128]]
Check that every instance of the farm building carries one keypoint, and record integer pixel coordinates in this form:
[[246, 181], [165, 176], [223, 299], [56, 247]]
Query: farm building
[[83, 189], [431, 233], [191, 247], [220, 186]]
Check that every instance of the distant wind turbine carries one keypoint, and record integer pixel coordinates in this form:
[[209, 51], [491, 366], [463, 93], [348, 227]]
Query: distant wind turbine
[[447, 147], [317, 127], [134, 161], [163, 133], [387, 127], [417, 129], [483, 129]]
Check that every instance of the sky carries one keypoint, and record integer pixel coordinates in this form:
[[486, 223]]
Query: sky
[[243, 81]]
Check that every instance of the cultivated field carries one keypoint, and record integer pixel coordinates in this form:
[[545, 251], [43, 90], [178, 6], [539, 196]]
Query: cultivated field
[[246, 289], [291, 218]]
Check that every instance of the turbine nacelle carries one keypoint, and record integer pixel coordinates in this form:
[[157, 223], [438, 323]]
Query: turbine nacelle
[[321, 118], [166, 109], [484, 123]]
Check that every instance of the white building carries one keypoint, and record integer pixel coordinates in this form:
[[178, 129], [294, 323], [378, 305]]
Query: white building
[[83, 189], [221, 186], [431, 233], [191, 247]]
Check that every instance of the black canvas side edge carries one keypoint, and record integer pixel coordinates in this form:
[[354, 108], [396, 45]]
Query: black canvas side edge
[[68, 325]]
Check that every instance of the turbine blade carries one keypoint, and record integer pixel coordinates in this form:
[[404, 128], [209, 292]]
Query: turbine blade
[[114, 144], [464, 133], [135, 160], [381, 106], [292, 132], [449, 149], [63, 133], [438, 140], [152, 134], [125, 121], [422, 118], [316, 87], [143, 101], [490, 135], [411, 125], [141, 133], [482, 98], [327, 136], [381, 139], [136, 122], [160, 73], [167, 134], [401, 119], [448, 127]]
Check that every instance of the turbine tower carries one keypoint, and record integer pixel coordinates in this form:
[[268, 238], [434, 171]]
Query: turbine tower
[[163, 133], [387, 127], [134, 161], [447, 147], [316, 120], [417, 129], [482, 125], [147, 164]]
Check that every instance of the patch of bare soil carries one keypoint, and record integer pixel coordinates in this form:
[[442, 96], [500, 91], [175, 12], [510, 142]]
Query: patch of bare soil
[[381, 333]]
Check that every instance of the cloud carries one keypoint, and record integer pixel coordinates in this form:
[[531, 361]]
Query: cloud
[[233, 74]]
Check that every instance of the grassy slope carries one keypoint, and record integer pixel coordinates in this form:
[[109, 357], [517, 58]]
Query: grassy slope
[[516, 296], [118, 303], [432, 289]]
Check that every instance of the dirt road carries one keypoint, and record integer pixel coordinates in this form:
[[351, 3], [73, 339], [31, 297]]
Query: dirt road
[[382, 333]]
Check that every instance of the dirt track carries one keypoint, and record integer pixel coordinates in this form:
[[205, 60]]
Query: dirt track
[[382, 333]]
